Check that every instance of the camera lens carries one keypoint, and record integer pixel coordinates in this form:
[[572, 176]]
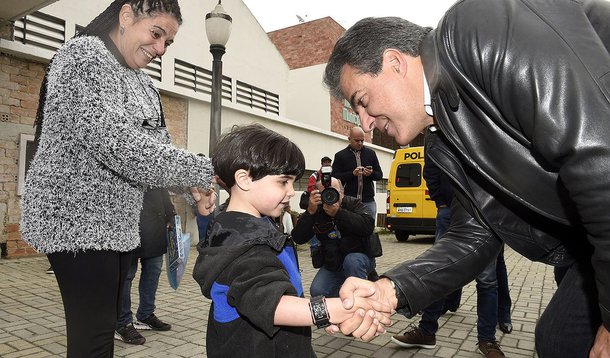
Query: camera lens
[[330, 196]]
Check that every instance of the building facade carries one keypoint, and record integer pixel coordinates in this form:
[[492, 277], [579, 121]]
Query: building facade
[[272, 79]]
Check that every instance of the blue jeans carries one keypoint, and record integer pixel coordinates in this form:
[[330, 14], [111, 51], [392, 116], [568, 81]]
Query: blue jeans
[[431, 314], [371, 207], [487, 294], [487, 303], [149, 281], [504, 301], [327, 283], [568, 326]]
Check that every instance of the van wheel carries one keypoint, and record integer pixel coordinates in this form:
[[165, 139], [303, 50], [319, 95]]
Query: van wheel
[[402, 236]]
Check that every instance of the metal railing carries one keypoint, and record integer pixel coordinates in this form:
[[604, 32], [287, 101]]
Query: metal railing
[[255, 97], [41, 30], [199, 79]]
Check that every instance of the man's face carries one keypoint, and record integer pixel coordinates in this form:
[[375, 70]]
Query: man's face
[[326, 163], [356, 140], [392, 101]]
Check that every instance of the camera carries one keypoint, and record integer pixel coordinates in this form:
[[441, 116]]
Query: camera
[[330, 195]]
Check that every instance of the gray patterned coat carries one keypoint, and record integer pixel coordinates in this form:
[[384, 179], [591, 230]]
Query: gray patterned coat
[[95, 158]]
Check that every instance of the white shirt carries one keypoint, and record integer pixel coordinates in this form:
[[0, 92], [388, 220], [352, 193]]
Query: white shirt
[[427, 98], [287, 222]]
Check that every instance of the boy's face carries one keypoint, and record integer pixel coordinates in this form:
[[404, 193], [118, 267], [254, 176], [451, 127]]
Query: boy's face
[[272, 193]]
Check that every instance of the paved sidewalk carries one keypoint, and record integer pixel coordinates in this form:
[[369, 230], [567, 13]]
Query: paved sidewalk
[[32, 323]]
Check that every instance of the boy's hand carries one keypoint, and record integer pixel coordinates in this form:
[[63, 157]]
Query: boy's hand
[[366, 319]]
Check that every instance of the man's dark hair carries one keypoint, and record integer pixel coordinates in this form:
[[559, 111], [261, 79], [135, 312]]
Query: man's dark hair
[[363, 44], [325, 159], [259, 150]]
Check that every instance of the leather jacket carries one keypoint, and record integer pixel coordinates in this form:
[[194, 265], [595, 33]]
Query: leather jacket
[[521, 94]]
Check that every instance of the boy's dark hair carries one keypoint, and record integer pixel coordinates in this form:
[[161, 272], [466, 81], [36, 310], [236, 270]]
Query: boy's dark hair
[[259, 150]]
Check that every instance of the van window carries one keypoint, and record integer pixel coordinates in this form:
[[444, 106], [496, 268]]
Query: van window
[[408, 175]]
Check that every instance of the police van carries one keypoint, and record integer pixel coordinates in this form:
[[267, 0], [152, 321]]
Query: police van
[[410, 210]]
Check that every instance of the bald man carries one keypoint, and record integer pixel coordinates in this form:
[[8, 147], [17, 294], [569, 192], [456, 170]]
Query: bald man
[[357, 167]]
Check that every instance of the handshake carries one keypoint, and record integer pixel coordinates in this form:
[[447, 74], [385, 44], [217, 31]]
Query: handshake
[[367, 307]]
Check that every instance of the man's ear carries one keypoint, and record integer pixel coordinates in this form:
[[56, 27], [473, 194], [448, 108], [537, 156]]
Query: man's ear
[[243, 179], [396, 61]]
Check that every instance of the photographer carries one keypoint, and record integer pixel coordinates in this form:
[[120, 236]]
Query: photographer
[[343, 225]]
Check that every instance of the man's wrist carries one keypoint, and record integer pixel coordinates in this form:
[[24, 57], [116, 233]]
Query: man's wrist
[[399, 299]]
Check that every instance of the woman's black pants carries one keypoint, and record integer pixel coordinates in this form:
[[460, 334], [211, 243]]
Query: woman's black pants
[[90, 283]]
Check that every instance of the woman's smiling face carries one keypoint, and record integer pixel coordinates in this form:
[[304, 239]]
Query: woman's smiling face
[[144, 37]]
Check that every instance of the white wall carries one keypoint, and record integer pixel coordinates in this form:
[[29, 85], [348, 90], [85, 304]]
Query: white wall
[[308, 99]]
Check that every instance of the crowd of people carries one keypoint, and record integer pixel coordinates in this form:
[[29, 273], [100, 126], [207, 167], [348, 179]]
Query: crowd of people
[[512, 96]]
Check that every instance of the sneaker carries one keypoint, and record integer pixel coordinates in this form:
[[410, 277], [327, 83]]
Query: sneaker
[[415, 338], [490, 349], [129, 334], [505, 327], [50, 271], [152, 322]]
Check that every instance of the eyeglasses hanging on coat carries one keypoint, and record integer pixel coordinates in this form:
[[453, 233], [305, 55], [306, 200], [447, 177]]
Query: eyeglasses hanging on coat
[[151, 122]]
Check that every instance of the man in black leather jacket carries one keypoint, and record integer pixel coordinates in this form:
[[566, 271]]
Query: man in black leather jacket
[[514, 98]]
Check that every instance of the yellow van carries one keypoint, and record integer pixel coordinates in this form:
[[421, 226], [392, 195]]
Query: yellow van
[[410, 210]]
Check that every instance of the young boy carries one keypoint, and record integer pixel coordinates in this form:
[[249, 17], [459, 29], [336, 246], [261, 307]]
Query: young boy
[[246, 266]]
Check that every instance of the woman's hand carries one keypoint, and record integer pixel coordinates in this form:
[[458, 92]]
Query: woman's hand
[[205, 199]]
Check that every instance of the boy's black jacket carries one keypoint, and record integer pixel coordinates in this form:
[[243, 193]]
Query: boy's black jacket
[[245, 266]]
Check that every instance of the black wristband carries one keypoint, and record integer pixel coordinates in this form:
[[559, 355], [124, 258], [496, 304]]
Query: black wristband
[[319, 311]]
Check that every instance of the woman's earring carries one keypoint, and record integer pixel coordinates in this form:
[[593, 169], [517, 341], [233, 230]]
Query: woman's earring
[[121, 30]]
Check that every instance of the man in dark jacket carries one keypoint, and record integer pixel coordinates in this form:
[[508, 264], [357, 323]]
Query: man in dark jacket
[[157, 213], [357, 166], [514, 98], [342, 229]]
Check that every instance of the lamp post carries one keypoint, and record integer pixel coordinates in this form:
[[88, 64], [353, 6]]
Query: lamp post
[[218, 29]]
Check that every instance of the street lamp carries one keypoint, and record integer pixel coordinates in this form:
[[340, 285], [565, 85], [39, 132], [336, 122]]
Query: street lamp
[[218, 29]]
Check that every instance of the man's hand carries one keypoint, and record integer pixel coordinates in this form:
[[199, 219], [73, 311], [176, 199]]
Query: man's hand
[[205, 199], [315, 199], [367, 171], [601, 346], [359, 326], [358, 171]]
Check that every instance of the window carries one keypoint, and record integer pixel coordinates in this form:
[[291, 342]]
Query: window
[[381, 186], [349, 115], [40, 30], [301, 184], [408, 175], [27, 149]]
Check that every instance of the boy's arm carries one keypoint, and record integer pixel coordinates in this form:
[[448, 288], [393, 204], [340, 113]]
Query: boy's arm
[[294, 311]]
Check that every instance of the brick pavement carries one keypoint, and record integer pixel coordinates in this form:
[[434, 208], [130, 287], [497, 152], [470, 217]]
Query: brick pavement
[[32, 323]]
